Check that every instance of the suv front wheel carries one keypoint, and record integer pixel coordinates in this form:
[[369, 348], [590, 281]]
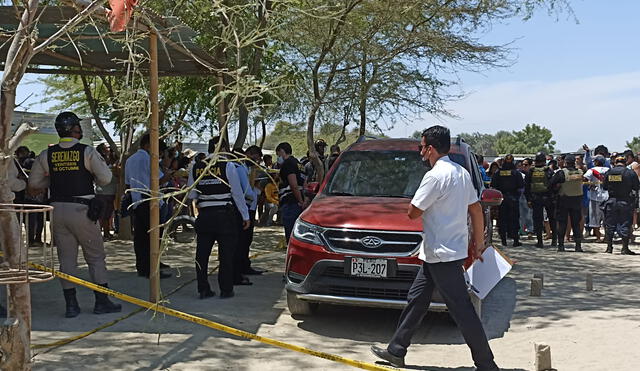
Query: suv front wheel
[[300, 307]]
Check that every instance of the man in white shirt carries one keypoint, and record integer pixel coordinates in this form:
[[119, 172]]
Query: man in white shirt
[[443, 200], [597, 195]]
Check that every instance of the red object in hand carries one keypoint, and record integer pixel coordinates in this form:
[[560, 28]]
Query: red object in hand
[[120, 13]]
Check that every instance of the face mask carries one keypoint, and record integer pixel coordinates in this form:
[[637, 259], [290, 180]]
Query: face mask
[[280, 160]]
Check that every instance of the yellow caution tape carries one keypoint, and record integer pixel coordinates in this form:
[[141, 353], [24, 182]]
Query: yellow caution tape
[[211, 324]]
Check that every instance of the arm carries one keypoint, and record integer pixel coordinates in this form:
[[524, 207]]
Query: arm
[[39, 177], [477, 224], [414, 212], [97, 166], [237, 194], [193, 194], [15, 183], [556, 179], [527, 186], [293, 183]]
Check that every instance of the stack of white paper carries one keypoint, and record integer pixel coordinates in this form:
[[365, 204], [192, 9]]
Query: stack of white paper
[[485, 275]]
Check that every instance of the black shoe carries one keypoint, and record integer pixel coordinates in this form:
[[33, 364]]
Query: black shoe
[[554, 242], [503, 241], [163, 275], [384, 354], [627, 252], [227, 294], [207, 294], [517, 243], [103, 304], [560, 248], [164, 266], [73, 309], [243, 282], [253, 272], [609, 250]]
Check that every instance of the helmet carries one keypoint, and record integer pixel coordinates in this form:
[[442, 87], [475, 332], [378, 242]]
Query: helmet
[[570, 158], [541, 157], [65, 122]]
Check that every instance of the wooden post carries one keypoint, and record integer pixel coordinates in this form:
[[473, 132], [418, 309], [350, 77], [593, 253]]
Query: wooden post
[[154, 206]]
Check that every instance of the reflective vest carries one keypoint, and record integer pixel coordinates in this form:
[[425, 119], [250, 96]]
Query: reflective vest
[[213, 188], [68, 175], [539, 180], [572, 185]]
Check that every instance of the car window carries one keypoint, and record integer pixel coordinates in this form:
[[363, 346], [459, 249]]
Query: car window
[[377, 173], [459, 159]]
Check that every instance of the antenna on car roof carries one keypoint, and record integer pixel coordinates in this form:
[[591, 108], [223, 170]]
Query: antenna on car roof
[[363, 138]]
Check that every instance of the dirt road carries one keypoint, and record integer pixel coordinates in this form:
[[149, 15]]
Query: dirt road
[[596, 330]]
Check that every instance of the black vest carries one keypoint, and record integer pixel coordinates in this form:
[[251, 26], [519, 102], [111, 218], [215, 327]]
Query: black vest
[[619, 183], [68, 176], [213, 188]]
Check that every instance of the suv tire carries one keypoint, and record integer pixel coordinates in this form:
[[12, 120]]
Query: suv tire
[[300, 307]]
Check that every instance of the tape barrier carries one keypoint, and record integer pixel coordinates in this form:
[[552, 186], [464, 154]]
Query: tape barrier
[[211, 324], [61, 342]]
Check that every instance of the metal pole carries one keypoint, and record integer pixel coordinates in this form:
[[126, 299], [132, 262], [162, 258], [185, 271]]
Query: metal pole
[[154, 206]]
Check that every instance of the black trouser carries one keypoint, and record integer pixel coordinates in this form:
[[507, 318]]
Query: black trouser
[[509, 217], [539, 203], [448, 278], [141, 240], [618, 217], [569, 206], [216, 224], [242, 261]]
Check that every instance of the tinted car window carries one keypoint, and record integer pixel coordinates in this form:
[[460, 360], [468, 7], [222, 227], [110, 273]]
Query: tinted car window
[[377, 173], [459, 159]]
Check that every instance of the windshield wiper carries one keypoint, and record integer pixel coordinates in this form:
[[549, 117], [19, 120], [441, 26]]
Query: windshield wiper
[[388, 195], [340, 194]]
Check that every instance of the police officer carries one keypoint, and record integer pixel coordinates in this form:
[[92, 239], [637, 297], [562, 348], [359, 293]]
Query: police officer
[[509, 181], [621, 183], [568, 181], [69, 170], [221, 204], [539, 198]]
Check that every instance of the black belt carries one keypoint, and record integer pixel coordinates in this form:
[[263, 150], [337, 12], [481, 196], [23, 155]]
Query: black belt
[[71, 199]]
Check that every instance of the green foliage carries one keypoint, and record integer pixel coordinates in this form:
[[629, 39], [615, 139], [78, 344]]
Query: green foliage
[[533, 138], [634, 144]]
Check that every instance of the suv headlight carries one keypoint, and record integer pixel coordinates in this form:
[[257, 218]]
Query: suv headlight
[[306, 232]]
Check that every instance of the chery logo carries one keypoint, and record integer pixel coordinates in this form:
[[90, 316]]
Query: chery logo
[[371, 242]]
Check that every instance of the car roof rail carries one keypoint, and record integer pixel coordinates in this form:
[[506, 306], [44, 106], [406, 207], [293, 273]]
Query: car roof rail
[[363, 138]]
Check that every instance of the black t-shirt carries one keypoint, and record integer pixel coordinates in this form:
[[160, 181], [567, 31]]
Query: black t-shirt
[[290, 166]]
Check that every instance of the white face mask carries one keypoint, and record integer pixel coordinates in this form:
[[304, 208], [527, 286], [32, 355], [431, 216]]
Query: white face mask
[[280, 160]]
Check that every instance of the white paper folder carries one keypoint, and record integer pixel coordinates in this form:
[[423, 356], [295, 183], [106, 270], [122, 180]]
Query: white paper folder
[[483, 276]]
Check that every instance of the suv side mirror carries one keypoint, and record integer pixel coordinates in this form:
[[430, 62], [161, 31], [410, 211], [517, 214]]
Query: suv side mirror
[[313, 188], [491, 197]]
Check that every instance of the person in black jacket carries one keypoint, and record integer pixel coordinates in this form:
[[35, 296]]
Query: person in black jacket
[[509, 181], [623, 185], [539, 198]]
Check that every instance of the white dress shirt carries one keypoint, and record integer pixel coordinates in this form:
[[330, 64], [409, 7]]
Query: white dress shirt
[[445, 193]]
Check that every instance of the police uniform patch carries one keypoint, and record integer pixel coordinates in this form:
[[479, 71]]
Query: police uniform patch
[[615, 178]]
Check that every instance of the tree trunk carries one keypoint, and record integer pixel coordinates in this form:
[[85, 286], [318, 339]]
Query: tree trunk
[[93, 106], [264, 132], [243, 126], [314, 157]]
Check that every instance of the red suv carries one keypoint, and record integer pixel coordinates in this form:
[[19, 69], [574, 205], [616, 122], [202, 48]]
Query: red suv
[[355, 245]]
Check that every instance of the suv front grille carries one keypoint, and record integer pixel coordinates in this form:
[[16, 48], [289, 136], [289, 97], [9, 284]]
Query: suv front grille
[[372, 242], [369, 292]]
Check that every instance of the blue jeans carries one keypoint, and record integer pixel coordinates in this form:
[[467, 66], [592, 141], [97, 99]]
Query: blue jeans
[[290, 213]]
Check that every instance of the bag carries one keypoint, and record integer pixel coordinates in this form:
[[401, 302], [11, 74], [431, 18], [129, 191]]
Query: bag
[[96, 209]]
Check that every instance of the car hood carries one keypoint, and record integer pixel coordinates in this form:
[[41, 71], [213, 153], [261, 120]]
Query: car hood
[[378, 213]]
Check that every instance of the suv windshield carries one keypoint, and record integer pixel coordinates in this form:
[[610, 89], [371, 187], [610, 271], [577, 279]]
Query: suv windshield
[[379, 173]]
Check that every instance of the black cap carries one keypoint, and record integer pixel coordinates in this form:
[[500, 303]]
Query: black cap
[[541, 157], [65, 122]]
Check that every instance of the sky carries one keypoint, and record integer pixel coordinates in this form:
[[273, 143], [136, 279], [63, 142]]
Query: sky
[[580, 80], [578, 76]]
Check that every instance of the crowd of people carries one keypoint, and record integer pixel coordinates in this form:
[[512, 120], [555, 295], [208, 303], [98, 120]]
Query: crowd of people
[[231, 189], [550, 196]]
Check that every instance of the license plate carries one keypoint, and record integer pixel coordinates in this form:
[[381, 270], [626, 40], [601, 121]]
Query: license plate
[[367, 267]]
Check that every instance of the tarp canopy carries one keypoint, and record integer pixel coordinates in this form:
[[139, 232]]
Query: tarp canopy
[[91, 48]]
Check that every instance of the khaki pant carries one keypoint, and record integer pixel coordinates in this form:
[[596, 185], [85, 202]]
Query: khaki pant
[[72, 227]]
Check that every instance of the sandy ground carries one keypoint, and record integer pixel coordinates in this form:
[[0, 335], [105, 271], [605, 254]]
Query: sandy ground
[[596, 330]]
